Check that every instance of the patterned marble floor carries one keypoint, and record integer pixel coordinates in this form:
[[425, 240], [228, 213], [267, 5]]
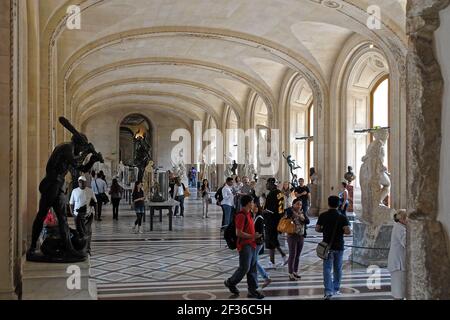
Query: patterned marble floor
[[192, 261]]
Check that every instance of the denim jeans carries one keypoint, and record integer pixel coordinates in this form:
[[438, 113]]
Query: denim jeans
[[305, 207], [180, 199], [227, 211], [331, 282], [261, 271], [247, 266]]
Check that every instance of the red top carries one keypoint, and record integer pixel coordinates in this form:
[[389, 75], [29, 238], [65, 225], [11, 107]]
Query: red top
[[241, 222]]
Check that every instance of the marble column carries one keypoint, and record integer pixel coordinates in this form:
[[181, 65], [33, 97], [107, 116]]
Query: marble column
[[7, 158], [428, 268]]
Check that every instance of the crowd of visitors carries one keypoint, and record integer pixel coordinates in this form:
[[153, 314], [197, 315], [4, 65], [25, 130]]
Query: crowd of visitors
[[257, 221]]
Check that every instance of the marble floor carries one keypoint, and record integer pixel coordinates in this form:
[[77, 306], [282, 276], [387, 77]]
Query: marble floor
[[192, 261]]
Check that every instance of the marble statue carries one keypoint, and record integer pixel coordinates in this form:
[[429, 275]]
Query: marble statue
[[148, 177], [375, 181], [121, 172], [249, 168], [228, 166], [375, 225], [67, 246], [179, 167]]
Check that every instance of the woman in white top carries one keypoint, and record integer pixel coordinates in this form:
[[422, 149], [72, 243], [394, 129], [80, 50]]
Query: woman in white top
[[178, 195], [397, 256]]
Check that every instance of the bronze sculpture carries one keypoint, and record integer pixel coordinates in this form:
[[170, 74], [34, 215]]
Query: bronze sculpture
[[142, 155], [67, 246], [292, 165]]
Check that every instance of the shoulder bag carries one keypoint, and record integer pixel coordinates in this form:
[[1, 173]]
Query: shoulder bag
[[323, 248], [102, 196], [286, 225]]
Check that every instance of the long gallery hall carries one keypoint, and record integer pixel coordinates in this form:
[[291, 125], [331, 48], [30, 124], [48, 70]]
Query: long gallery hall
[[225, 150]]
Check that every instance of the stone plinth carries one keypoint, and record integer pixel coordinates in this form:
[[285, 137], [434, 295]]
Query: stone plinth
[[57, 281], [371, 237]]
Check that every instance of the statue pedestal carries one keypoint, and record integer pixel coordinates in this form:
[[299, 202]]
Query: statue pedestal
[[57, 281], [370, 237]]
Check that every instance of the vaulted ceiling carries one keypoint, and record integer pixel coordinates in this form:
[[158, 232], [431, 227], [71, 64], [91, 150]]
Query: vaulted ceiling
[[199, 56]]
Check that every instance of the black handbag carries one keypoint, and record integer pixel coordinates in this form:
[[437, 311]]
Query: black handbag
[[323, 248], [101, 196]]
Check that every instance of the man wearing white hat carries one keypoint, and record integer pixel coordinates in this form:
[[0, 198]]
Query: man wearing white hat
[[80, 199]]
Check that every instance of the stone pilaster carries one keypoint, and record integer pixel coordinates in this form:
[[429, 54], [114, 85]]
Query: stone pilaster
[[7, 157], [427, 254]]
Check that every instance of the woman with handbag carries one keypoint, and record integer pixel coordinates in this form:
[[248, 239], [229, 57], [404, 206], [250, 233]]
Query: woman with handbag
[[295, 239], [139, 205], [179, 195], [206, 198]]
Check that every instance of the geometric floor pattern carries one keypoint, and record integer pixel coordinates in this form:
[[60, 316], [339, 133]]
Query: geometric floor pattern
[[191, 262]]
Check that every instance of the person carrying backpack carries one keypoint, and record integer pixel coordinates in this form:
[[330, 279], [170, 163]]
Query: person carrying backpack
[[245, 241], [219, 198]]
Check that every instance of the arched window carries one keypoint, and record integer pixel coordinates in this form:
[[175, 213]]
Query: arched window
[[379, 113], [261, 124], [232, 135], [311, 134]]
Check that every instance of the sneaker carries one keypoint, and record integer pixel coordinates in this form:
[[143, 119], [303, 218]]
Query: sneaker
[[141, 230], [266, 283], [280, 264], [232, 288], [292, 277], [271, 265], [327, 297], [255, 295], [337, 293], [285, 260], [134, 229], [297, 276]]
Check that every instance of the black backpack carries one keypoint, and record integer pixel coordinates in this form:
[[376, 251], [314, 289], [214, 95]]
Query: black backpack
[[219, 195], [230, 233]]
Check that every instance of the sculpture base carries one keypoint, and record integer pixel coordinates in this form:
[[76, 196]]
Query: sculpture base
[[376, 238], [57, 281]]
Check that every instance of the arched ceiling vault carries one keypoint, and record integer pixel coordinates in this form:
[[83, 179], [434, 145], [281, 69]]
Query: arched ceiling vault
[[187, 116], [207, 54], [183, 101]]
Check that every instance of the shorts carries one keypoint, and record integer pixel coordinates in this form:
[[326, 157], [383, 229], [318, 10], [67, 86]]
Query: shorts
[[140, 209]]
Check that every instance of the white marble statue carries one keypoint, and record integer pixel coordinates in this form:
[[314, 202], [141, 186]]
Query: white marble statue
[[249, 167], [120, 172], [228, 161], [375, 182]]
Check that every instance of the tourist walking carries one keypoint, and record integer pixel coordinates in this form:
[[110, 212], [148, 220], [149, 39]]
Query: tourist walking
[[333, 225], [206, 198], [246, 246], [178, 195], [80, 199], [98, 185], [259, 228], [303, 192], [243, 189], [138, 198], [397, 256], [116, 192], [228, 200], [296, 240], [274, 210]]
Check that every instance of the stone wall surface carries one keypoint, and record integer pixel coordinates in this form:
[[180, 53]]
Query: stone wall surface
[[428, 273], [443, 55]]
